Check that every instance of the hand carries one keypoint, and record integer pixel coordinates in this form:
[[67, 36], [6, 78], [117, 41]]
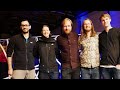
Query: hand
[[117, 66], [10, 72]]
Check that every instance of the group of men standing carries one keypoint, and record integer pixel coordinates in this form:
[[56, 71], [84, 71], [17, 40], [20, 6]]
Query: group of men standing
[[22, 49]]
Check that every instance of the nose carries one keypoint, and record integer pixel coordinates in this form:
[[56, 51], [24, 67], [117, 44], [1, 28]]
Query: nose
[[105, 21], [66, 27]]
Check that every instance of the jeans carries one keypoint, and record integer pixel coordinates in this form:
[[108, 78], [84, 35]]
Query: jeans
[[50, 75], [70, 73], [90, 73], [110, 73]]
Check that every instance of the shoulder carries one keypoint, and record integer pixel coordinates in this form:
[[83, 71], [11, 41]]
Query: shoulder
[[14, 37], [51, 40], [38, 43], [39, 39], [33, 39], [59, 37], [101, 33], [96, 36], [117, 29], [74, 33]]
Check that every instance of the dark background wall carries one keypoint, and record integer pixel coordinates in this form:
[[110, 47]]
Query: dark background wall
[[94, 16], [9, 20]]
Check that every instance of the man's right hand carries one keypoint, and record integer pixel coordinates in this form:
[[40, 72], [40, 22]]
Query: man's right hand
[[10, 72]]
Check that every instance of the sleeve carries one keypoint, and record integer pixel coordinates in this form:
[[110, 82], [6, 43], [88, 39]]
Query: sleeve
[[10, 47], [35, 50], [57, 50], [79, 42], [99, 40], [119, 47]]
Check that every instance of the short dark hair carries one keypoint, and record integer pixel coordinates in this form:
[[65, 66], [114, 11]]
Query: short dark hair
[[24, 20]]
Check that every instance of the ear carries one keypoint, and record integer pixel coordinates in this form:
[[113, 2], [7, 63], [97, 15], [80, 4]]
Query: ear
[[110, 20], [30, 26], [41, 32]]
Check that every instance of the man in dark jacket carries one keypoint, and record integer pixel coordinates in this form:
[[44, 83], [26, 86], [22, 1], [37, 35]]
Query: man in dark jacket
[[20, 54], [46, 51], [69, 54], [109, 47]]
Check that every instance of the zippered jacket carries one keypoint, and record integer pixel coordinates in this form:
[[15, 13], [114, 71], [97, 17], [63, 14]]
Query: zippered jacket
[[109, 47], [21, 51], [46, 51]]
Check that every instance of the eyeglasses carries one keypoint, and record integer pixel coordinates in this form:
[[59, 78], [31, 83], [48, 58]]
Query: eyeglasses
[[25, 25]]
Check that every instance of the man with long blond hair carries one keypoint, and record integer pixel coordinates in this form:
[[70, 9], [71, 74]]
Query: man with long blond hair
[[89, 46]]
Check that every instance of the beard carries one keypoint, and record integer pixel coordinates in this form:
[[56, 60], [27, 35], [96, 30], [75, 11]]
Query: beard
[[25, 31], [67, 31]]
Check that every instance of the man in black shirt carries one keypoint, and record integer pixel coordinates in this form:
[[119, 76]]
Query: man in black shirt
[[109, 47], [20, 54]]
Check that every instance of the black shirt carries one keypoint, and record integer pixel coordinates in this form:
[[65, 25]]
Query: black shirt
[[23, 58], [46, 50], [109, 47]]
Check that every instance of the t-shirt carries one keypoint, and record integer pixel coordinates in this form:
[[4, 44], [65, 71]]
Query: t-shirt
[[2, 57]]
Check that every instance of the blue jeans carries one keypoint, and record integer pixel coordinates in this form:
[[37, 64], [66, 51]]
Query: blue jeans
[[70, 73], [90, 73], [50, 75], [110, 73]]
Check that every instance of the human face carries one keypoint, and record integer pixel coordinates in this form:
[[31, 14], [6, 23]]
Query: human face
[[105, 21], [25, 26], [67, 27], [87, 25], [46, 31]]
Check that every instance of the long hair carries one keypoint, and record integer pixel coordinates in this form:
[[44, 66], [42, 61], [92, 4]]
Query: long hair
[[83, 31]]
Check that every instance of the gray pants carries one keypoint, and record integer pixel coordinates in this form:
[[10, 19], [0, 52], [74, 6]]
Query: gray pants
[[23, 74]]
